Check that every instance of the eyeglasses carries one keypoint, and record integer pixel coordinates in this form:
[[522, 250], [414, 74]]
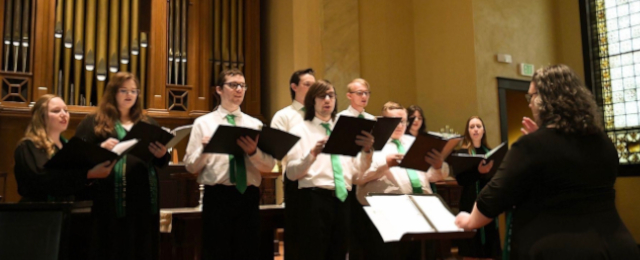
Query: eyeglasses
[[329, 95], [236, 85], [403, 122], [530, 96], [361, 93], [125, 91]]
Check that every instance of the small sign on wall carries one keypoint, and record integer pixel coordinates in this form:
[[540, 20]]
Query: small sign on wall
[[526, 69]]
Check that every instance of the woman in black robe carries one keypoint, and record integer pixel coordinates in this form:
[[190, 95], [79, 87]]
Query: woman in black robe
[[125, 211], [486, 243], [49, 118]]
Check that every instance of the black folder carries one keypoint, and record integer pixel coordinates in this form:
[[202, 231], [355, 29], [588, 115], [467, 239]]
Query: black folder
[[383, 130], [146, 133], [462, 162], [78, 154], [424, 143], [343, 136], [275, 142], [224, 140]]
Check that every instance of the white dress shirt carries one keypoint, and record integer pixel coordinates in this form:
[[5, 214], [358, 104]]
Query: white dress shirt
[[216, 169], [379, 178], [350, 111], [286, 119], [312, 171]]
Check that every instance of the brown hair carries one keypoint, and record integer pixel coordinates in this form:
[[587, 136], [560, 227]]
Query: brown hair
[[222, 78], [37, 129], [410, 111], [108, 113], [467, 142], [318, 88], [565, 102], [295, 79]]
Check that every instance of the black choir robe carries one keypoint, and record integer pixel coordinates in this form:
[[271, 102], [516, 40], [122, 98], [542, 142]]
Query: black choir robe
[[35, 183], [136, 235]]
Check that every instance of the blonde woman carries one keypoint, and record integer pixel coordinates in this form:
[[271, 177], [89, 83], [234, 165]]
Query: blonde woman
[[42, 140]]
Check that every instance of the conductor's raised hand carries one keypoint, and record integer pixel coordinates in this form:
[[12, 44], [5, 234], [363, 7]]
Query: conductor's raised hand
[[248, 145], [101, 170], [109, 143], [157, 149], [485, 167], [317, 149], [528, 126], [434, 158], [365, 140]]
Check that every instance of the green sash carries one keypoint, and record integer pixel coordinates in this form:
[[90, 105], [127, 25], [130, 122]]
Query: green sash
[[120, 179]]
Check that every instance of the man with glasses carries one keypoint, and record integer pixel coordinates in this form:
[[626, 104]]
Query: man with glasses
[[384, 176], [323, 179], [230, 206], [285, 120], [358, 93]]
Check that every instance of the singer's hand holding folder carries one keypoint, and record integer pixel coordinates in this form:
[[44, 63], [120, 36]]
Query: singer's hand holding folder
[[272, 141], [425, 143], [343, 135], [78, 154], [146, 133], [225, 139], [462, 162], [398, 217]]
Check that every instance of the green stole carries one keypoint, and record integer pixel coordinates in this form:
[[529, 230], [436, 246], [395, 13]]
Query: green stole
[[120, 179]]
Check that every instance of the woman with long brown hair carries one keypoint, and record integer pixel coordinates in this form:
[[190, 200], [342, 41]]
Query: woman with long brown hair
[[486, 243], [49, 118], [560, 179], [125, 205], [418, 123]]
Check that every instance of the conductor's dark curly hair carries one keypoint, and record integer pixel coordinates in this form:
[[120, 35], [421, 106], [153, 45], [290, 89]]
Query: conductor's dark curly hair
[[565, 102]]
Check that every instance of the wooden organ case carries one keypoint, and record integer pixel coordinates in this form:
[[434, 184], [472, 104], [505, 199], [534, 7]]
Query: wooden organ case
[[176, 48]]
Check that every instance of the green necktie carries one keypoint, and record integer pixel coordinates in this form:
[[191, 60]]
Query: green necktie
[[304, 109], [338, 178], [413, 176], [237, 170], [360, 116]]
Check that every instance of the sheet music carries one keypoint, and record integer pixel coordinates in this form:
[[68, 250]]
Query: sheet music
[[386, 229], [494, 150], [124, 146], [180, 133], [401, 213], [437, 213]]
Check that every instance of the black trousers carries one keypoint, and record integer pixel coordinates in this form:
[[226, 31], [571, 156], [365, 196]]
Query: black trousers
[[290, 238], [323, 225], [231, 223]]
